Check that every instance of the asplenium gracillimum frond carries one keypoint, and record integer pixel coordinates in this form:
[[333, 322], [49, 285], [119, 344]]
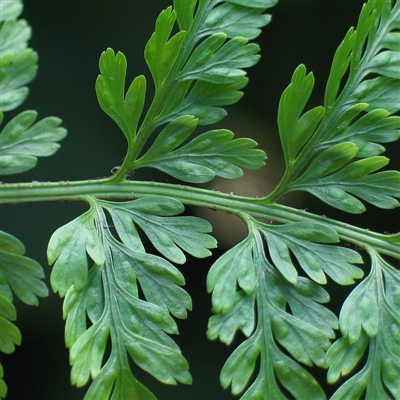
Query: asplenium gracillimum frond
[[120, 299]]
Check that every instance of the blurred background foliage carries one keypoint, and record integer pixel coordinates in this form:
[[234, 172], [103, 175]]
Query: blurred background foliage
[[69, 36]]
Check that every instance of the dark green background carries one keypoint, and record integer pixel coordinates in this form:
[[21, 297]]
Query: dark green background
[[69, 37]]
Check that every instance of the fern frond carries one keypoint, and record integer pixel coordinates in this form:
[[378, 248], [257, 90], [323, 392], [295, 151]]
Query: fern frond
[[305, 331], [369, 318], [124, 108], [332, 179], [108, 292], [195, 72], [347, 118], [22, 141], [209, 154], [18, 64], [311, 245], [166, 232], [21, 276]]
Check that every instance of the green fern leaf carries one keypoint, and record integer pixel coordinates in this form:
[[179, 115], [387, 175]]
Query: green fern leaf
[[386, 64], [305, 332], [240, 365], [120, 300], [23, 277], [379, 93], [367, 132], [204, 100], [340, 64], [370, 48], [296, 379], [294, 130], [222, 279], [124, 108], [132, 326], [314, 258], [67, 250], [304, 339], [235, 20], [19, 273], [375, 49], [159, 281], [185, 13], [16, 71], [216, 62], [168, 234], [372, 306], [10, 334], [10, 10], [240, 316], [305, 299], [22, 141], [195, 72], [174, 134], [209, 154], [18, 64], [339, 188], [108, 294], [14, 34], [161, 51], [342, 356]]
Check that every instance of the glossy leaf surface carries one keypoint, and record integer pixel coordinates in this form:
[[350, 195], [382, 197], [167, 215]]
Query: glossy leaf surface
[[23, 139], [113, 264], [124, 108], [18, 64], [108, 292], [369, 318], [196, 71], [209, 154], [305, 332], [19, 274]]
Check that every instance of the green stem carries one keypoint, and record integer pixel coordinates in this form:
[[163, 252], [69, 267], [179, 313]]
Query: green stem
[[190, 196]]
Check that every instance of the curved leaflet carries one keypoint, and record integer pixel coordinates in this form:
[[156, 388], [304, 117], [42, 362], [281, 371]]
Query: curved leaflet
[[209, 154], [22, 141]]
